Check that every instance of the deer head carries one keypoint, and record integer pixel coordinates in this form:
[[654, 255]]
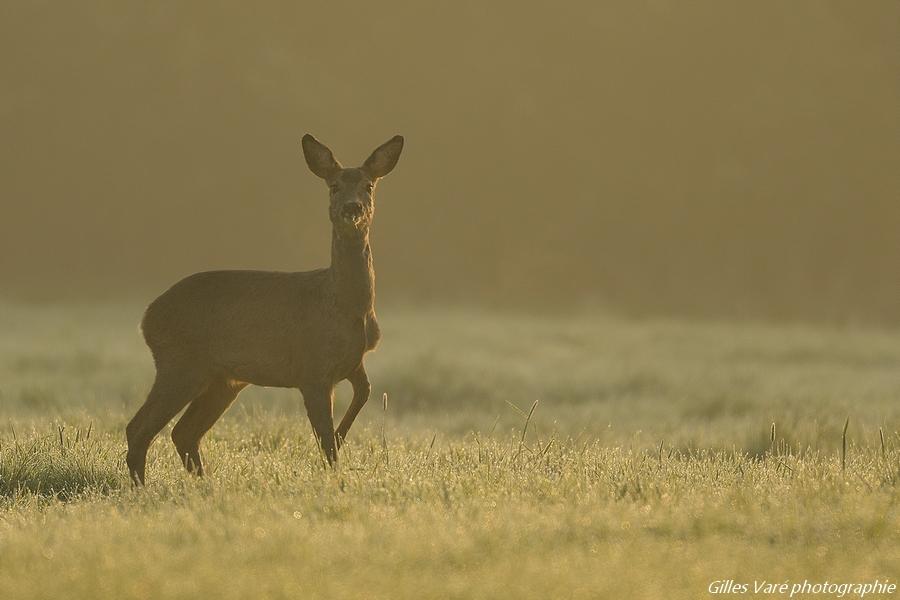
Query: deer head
[[351, 189]]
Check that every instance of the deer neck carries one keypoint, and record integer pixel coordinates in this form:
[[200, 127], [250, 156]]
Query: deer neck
[[353, 273]]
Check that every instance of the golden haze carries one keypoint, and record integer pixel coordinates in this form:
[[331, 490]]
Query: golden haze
[[702, 159]]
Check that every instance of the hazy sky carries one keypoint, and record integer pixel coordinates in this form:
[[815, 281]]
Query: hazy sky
[[707, 157]]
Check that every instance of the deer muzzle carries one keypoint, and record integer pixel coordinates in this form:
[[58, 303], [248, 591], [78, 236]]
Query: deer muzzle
[[352, 211]]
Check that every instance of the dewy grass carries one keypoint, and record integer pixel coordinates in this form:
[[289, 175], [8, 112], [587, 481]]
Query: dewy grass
[[650, 468], [270, 521], [54, 466]]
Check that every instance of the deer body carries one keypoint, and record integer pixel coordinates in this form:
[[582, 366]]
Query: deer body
[[266, 328], [214, 333]]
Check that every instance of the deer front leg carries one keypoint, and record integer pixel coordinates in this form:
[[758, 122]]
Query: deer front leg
[[361, 389], [319, 401]]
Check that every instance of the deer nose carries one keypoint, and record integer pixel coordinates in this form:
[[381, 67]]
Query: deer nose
[[352, 210]]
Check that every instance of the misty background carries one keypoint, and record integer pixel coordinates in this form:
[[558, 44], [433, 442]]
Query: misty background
[[704, 158]]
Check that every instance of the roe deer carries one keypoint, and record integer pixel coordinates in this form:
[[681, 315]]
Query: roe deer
[[214, 333]]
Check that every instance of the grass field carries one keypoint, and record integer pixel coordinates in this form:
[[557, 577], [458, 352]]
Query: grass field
[[647, 469]]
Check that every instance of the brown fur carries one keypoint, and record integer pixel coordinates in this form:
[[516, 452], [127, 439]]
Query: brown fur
[[213, 333]]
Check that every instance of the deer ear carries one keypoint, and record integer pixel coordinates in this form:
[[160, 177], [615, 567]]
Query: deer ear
[[384, 159], [319, 158]]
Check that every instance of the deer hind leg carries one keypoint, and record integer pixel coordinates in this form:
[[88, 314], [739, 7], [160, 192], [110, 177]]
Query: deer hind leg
[[361, 389], [319, 401], [199, 417], [172, 390]]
